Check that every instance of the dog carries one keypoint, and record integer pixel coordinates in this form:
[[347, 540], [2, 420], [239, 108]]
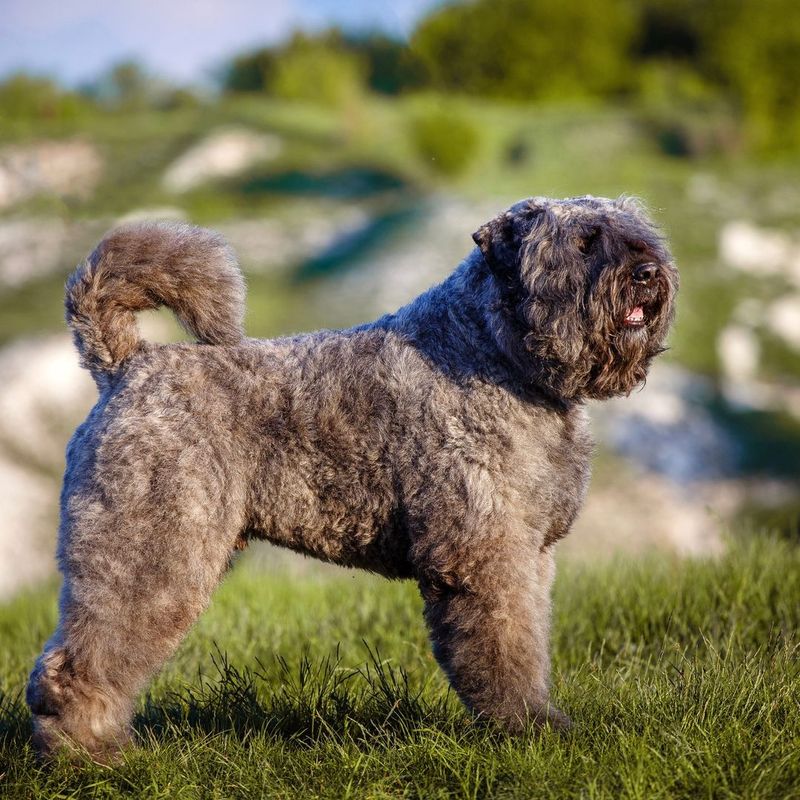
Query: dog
[[446, 443]]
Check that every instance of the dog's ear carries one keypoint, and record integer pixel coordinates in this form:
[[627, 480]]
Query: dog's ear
[[500, 239], [495, 239]]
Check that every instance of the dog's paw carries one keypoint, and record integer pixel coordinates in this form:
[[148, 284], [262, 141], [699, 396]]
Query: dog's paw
[[557, 720], [45, 693], [552, 718]]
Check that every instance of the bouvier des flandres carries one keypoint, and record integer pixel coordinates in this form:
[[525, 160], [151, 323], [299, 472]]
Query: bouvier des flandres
[[446, 442]]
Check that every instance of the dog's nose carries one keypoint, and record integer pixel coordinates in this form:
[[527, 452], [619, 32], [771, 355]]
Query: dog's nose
[[644, 273]]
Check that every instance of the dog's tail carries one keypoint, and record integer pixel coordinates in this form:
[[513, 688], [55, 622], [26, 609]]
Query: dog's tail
[[142, 266]]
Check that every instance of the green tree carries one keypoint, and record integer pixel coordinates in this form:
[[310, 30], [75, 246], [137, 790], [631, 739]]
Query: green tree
[[528, 48], [392, 67], [129, 86], [385, 64], [445, 140], [250, 72], [747, 51], [669, 30], [754, 47], [315, 69], [24, 96]]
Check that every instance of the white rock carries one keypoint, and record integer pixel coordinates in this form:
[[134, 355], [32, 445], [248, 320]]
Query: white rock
[[749, 248], [665, 428], [29, 248], [638, 512], [286, 240], [703, 188], [783, 318], [749, 312], [43, 395], [27, 527], [71, 167], [220, 155], [793, 270], [760, 251], [739, 352], [42, 391], [422, 254]]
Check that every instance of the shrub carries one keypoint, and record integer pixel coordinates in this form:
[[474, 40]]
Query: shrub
[[250, 72], [313, 70], [28, 97], [446, 140], [685, 114]]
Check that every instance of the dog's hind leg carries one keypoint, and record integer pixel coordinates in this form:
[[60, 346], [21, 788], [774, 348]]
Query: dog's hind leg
[[489, 627], [140, 561]]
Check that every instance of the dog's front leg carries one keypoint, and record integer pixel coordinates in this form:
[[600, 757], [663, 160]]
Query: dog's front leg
[[490, 633]]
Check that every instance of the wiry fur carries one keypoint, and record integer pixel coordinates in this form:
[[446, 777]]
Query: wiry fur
[[446, 442], [142, 267]]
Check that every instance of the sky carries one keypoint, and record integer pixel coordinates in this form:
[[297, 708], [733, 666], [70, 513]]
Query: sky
[[184, 40]]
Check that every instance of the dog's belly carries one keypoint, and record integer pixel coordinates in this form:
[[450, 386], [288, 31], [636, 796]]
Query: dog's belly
[[333, 513], [383, 550]]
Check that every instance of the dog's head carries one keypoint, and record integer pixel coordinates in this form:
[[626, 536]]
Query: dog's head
[[585, 292]]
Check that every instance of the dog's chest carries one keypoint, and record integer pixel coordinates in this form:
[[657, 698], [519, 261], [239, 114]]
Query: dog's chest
[[552, 458]]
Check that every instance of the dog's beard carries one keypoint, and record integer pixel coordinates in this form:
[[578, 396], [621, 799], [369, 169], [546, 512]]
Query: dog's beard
[[627, 327], [597, 349]]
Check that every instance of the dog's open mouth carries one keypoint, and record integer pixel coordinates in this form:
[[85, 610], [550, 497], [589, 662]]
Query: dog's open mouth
[[635, 318]]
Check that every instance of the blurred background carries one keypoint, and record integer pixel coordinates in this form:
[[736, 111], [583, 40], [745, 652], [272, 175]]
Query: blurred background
[[348, 151]]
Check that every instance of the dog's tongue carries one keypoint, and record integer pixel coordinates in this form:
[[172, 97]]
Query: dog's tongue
[[635, 315]]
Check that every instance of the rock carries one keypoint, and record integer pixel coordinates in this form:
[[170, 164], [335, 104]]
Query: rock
[[760, 251], [704, 188], [783, 318], [220, 155], [72, 167], [635, 512], [413, 260], [739, 353], [283, 241], [160, 213], [43, 395], [665, 428], [749, 248], [31, 247], [749, 312], [27, 528]]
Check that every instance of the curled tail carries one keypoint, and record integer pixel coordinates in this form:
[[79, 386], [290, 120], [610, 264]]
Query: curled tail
[[142, 266]]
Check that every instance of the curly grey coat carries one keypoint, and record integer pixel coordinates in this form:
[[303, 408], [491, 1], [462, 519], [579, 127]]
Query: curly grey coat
[[446, 442]]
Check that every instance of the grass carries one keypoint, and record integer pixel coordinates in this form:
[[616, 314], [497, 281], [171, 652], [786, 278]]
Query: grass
[[682, 678]]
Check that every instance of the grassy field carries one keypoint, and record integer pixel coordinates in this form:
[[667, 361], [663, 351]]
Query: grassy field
[[682, 678]]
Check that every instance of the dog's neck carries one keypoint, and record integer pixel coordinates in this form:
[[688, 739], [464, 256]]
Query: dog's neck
[[453, 324]]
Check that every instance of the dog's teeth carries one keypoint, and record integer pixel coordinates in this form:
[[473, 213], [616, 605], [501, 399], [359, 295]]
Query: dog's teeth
[[635, 315]]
